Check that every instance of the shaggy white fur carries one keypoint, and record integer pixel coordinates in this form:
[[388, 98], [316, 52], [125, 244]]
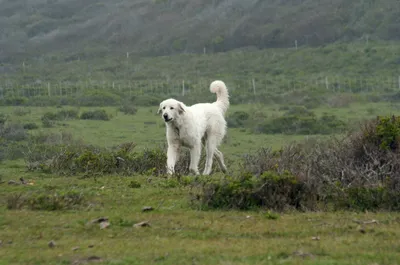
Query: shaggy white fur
[[189, 125]]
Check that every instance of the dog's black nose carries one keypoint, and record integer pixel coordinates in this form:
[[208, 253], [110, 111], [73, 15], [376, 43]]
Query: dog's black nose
[[165, 116]]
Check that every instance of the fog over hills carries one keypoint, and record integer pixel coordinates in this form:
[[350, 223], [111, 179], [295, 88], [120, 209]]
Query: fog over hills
[[163, 27]]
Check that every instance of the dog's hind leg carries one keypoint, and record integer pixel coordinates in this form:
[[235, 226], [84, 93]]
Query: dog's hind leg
[[220, 159], [210, 150]]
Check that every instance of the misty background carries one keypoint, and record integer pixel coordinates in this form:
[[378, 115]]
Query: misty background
[[164, 27], [59, 47]]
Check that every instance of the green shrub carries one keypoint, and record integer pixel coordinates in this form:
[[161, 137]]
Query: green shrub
[[67, 114], [30, 126], [238, 119], [48, 119], [128, 109], [65, 156], [386, 133], [329, 124], [12, 150], [95, 115], [95, 97], [21, 111], [147, 100], [134, 184], [271, 190], [46, 201], [360, 171], [299, 120], [12, 139], [3, 119], [368, 198], [13, 132], [14, 101]]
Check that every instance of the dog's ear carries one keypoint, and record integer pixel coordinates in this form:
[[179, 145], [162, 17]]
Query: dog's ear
[[159, 109], [181, 109]]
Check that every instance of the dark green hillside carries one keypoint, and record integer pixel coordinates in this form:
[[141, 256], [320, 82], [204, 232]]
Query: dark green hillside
[[35, 27]]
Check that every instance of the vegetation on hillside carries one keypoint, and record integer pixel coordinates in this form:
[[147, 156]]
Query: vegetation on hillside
[[165, 27]]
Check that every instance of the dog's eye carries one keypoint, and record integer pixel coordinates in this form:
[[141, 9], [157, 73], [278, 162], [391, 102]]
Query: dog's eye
[[171, 107], [163, 108]]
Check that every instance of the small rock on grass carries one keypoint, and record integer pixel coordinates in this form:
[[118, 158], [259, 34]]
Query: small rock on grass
[[12, 182], [104, 225], [300, 253], [75, 248], [99, 220], [142, 224], [147, 209], [94, 258], [51, 244], [87, 260]]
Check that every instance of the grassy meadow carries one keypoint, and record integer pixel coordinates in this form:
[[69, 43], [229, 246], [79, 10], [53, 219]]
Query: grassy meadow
[[146, 128], [180, 232]]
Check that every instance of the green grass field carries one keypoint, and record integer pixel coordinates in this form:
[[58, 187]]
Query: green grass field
[[179, 232], [146, 128]]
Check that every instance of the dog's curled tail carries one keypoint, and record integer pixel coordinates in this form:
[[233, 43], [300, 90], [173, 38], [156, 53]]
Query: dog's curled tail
[[220, 89]]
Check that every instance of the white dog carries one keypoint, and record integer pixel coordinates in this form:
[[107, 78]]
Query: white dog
[[189, 126]]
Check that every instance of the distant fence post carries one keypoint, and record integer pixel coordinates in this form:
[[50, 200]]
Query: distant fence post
[[254, 86], [326, 83], [183, 88], [399, 81], [48, 89]]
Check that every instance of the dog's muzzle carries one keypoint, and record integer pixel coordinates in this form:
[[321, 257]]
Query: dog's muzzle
[[166, 119]]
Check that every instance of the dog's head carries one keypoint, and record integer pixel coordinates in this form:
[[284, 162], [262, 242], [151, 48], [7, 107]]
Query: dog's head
[[171, 109]]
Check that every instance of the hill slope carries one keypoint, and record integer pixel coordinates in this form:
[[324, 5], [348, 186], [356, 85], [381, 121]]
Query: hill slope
[[34, 27]]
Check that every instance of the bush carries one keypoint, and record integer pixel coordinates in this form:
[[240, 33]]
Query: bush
[[384, 133], [49, 118], [360, 172], [3, 119], [238, 119], [299, 120], [46, 201], [13, 132], [95, 115], [67, 114], [11, 150], [14, 101], [94, 97], [128, 109], [63, 155], [12, 136], [271, 190], [30, 126], [22, 111], [147, 100]]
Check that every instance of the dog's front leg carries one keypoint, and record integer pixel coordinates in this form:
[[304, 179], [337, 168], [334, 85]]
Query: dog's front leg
[[172, 157], [195, 153]]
